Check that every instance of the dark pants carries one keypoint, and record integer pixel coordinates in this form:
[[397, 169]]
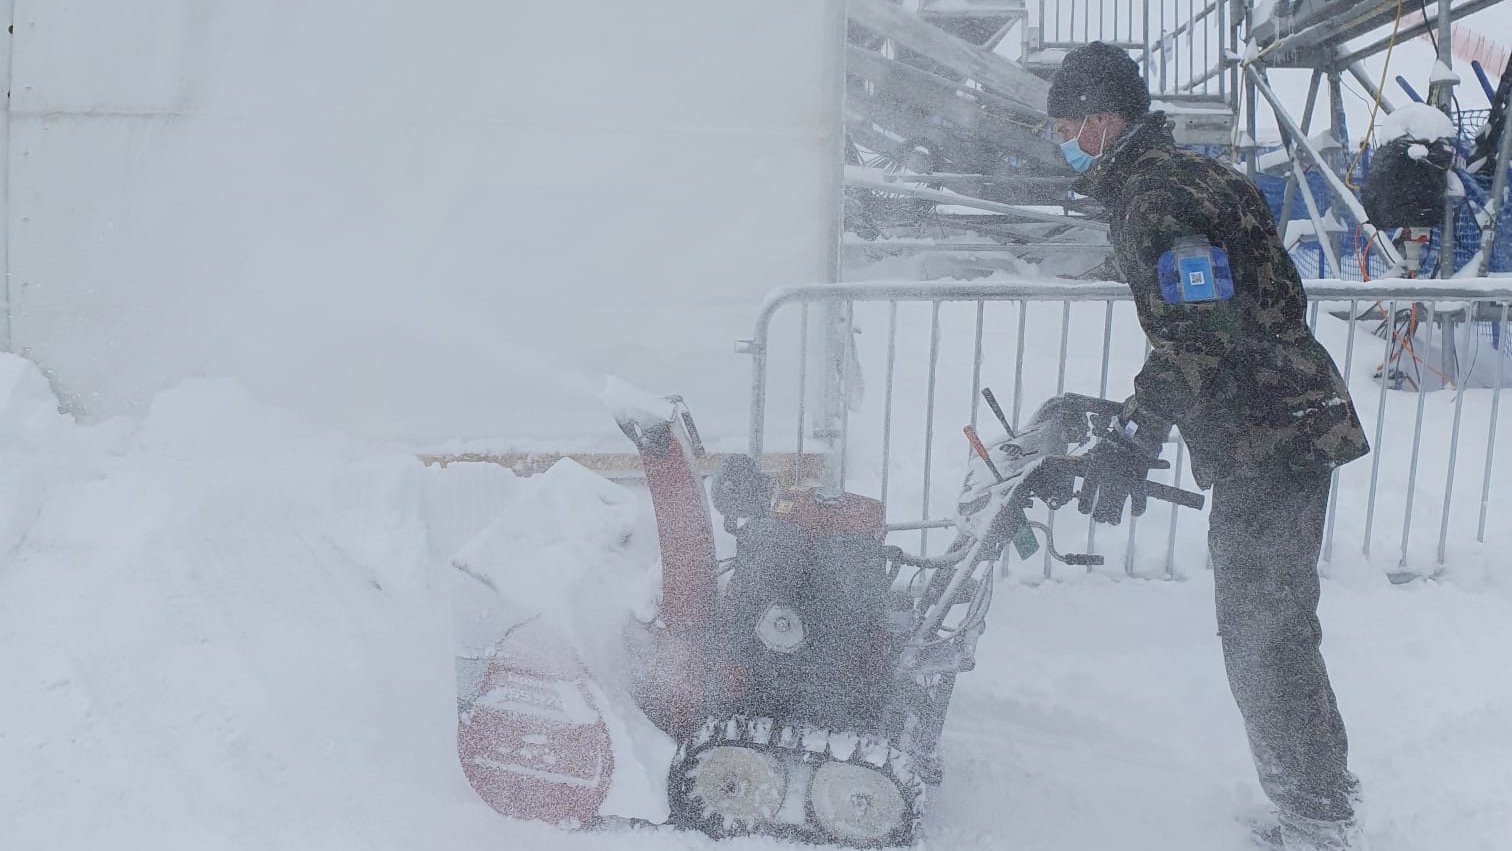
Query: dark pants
[[1265, 534]]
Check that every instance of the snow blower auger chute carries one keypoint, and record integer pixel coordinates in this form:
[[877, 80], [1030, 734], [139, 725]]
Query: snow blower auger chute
[[671, 686], [829, 657], [535, 743]]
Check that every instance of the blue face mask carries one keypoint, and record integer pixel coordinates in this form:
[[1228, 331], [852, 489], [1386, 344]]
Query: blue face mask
[[1071, 149], [1079, 159]]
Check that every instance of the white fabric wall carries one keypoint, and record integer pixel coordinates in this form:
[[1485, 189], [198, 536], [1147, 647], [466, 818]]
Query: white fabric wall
[[417, 221]]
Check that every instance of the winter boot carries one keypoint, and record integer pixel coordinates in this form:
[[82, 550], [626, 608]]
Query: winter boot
[[1300, 833]]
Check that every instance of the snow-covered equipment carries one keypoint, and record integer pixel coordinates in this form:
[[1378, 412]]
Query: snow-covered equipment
[[806, 679], [1409, 173], [831, 656]]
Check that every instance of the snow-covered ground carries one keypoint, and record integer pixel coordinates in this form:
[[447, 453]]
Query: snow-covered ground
[[217, 631], [221, 627], [225, 625]]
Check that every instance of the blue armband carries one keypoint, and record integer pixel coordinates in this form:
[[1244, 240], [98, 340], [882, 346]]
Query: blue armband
[[1194, 271]]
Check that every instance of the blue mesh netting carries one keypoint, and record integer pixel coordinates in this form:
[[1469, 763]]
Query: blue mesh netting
[[1467, 235], [1274, 190], [1309, 256]]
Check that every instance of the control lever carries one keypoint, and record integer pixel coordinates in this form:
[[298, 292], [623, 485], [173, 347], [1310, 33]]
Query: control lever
[[1175, 496], [1075, 559], [981, 451], [997, 410]]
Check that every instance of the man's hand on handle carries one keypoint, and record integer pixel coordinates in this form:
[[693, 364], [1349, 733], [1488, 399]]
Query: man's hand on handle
[[1115, 472]]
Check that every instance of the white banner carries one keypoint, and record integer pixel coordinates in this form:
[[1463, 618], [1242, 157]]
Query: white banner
[[420, 222]]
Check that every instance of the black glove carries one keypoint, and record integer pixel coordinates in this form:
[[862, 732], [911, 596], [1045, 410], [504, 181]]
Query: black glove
[[1116, 469]]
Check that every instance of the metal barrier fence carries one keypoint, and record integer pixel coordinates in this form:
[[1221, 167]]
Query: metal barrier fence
[[941, 343]]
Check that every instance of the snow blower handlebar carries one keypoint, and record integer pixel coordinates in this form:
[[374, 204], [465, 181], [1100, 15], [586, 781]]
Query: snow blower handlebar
[[1063, 470], [992, 513], [1054, 482], [1056, 479]]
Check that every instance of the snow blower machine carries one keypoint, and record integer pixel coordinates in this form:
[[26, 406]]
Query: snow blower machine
[[829, 657], [806, 679]]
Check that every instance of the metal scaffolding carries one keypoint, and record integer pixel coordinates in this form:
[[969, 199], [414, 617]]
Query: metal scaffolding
[[945, 112]]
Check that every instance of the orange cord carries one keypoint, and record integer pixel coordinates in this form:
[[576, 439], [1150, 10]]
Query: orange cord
[[1404, 343], [1360, 255]]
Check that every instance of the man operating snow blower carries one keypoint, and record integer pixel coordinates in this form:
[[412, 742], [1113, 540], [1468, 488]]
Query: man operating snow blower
[[1260, 403]]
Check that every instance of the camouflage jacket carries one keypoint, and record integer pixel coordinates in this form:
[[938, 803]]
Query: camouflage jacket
[[1243, 378]]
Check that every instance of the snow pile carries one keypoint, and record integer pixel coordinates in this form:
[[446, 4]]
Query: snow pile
[[1443, 74], [217, 630], [1417, 121], [222, 627], [34, 439], [569, 546]]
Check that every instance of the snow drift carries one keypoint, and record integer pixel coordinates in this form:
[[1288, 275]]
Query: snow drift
[[222, 627], [217, 630]]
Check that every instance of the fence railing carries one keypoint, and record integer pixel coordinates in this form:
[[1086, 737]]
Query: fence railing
[[889, 373], [1183, 45], [1069, 23]]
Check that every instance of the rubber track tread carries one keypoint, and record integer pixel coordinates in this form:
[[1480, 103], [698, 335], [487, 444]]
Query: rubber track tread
[[790, 744]]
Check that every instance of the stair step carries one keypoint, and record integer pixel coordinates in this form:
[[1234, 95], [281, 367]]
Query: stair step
[[974, 8], [1134, 46]]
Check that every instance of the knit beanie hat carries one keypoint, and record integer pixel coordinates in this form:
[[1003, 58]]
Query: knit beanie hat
[[1095, 78]]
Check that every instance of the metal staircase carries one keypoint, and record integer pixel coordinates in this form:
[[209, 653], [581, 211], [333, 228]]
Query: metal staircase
[[985, 23], [945, 115]]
